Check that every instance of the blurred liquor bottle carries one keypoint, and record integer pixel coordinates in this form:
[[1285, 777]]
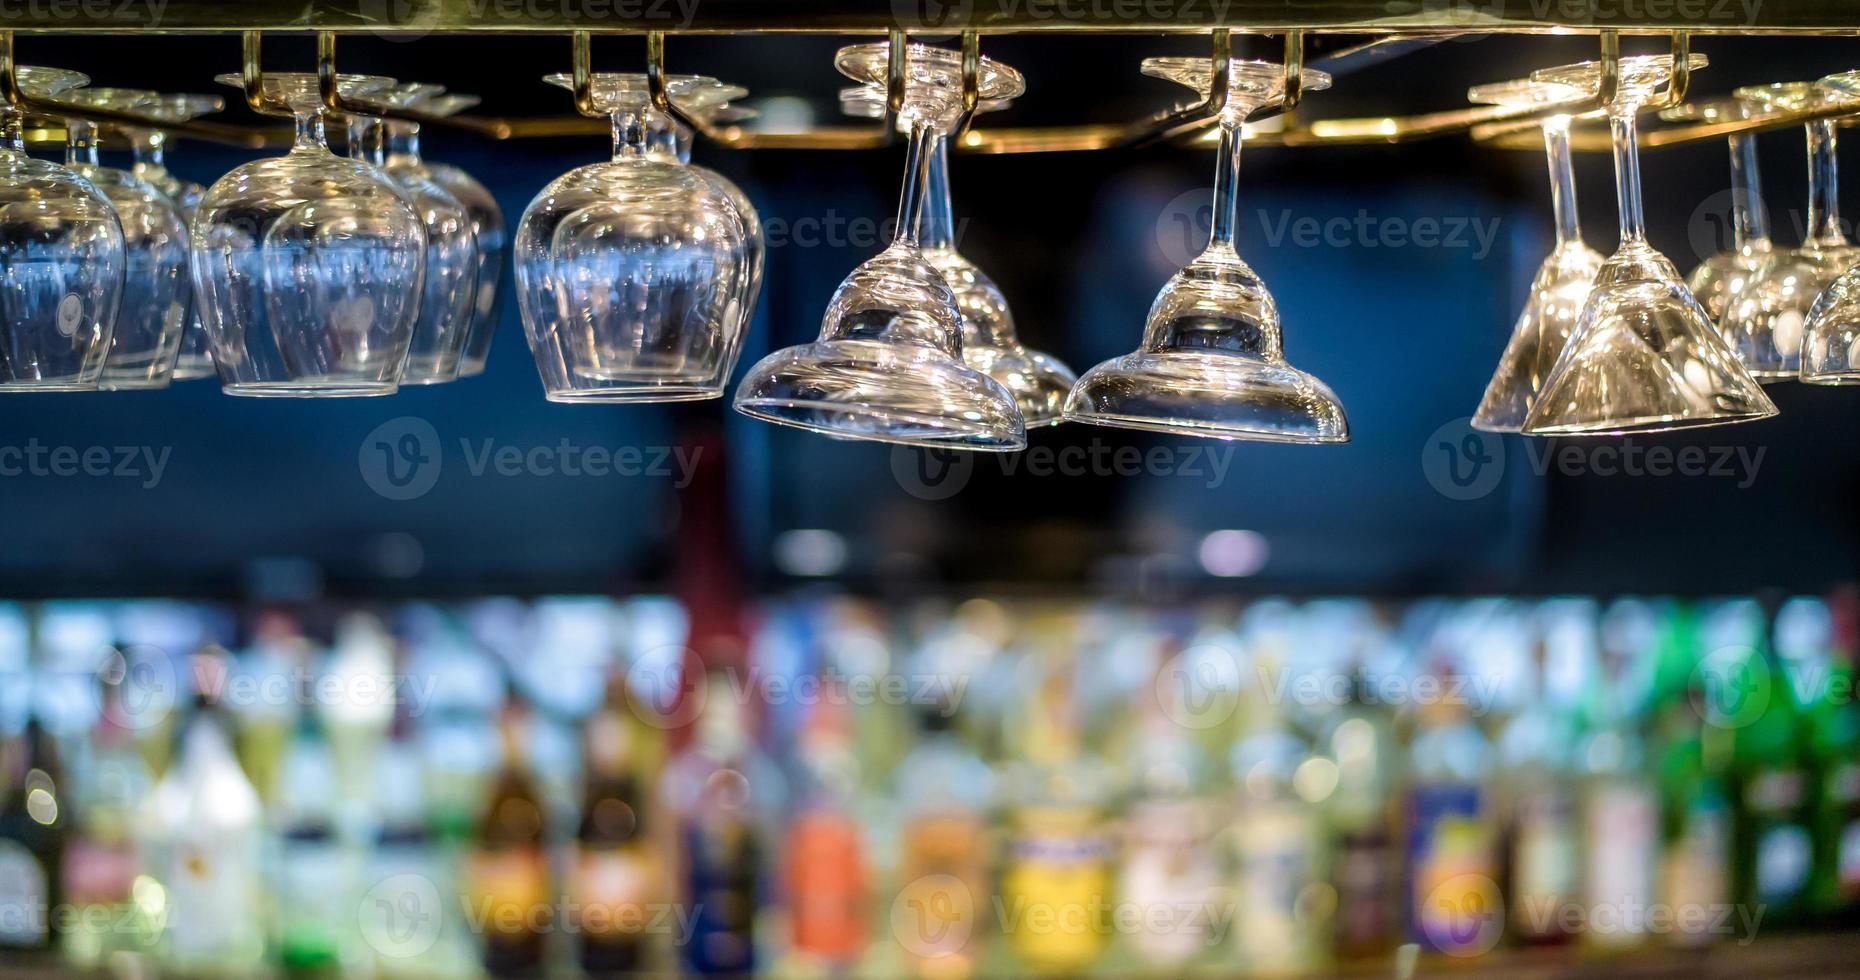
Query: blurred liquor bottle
[[1454, 902], [1692, 779], [1620, 813], [35, 823], [409, 913], [276, 668], [1366, 863], [507, 870], [1285, 904], [315, 873], [103, 859], [1170, 867], [1537, 789], [617, 889], [1055, 894], [206, 824], [723, 794], [940, 912], [362, 677], [1837, 746], [825, 876], [1773, 840]]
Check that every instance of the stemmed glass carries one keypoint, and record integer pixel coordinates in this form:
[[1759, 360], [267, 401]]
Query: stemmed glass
[[1831, 338], [1644, 357], [1562, 282], [990, 344], [1766, 323], [449, 287], [1720, 279], [150, 150], [308, 267], [487, 221], [630, 273], [1212, 361], [153, 313], [61, 259], [888, 363]]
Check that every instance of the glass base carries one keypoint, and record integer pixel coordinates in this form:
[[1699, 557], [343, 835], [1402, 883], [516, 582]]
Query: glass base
[[1659, 423], [310, 389], [1224, 396], [584, 396], [1828, 380], [24, 387], [132, 384]]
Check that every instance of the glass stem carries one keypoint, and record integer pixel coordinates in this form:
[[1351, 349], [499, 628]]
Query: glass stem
[[148, 148], [12, 133], [1227, 182], [631, 133], [1562, 180], [365, 140], [911, 199], [81, 146], [404, 140], [309, 132], [937, 226], [1824, 220], [1748, 222], [1626, 133]]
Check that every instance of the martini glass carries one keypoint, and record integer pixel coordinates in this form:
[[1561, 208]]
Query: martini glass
[[487, 221], [150, 149], [888, 363], [449, 286], [1831, 338], [1766, 323], [61, 260], [1212, 362], [307, 267], [1039, 382], [630, 272], [1562, 282], [1720, 279], [147, 334], [1644, 357]]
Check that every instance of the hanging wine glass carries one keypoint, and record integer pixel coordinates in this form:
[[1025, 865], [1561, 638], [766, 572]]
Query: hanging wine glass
[[487, 221], [1831, 336], [448, 288], [1562, 282], [630, 272], [61, 259], [888, 363], [1720, 279], [990, 344], [1766, 323], [149, 147], [1644, 357], [1211, 362], [308, 266], [153, 311]]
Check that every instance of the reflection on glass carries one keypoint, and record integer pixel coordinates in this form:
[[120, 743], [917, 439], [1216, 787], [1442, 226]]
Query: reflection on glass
[[1211, 362], [150, 147], [1562, 282], [1831, 344], [487, 221], [307, 267], [1644, 357], [1720, 278], [888, 364]]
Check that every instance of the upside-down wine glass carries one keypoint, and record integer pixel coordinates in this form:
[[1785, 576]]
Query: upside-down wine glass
[[150, 150], [888, 363], [487, 221], [307, 267], [1212, 361], [449, 286], [1644, 357], [61, 259], [1720, 279], [156, 295], [1766, 323], [630, 272], [1831, 338], [990, 344], [1562, 282]]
